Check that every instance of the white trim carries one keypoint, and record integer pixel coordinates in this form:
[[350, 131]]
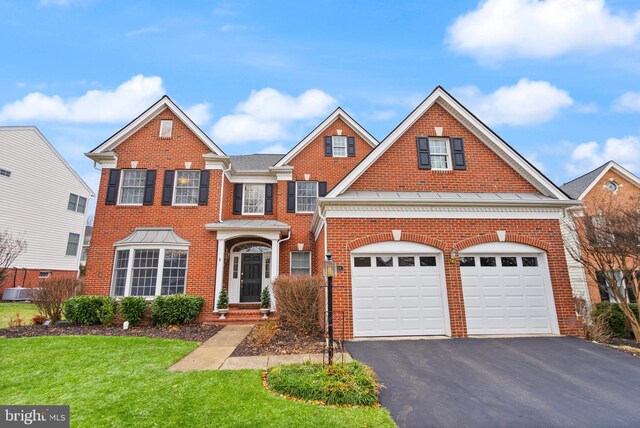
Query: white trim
[[264, 198], [395, 247], [264, 179], [485, 134], [175, 186], [157, 108], [333, 146], [338, 113], [447, 143], [296, 200], [310, 261], [122, 171], [625, 173], [502, 247], [234, 284]]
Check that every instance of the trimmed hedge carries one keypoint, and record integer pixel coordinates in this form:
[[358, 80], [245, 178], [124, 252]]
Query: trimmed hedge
[[176, 309], [132, 309], [614, 317], [90, 310]]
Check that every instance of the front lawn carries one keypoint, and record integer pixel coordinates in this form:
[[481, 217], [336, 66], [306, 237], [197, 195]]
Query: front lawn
[[123, 381], [9, 310]]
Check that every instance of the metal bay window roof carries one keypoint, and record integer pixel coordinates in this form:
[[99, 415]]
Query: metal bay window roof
[[153, 236]]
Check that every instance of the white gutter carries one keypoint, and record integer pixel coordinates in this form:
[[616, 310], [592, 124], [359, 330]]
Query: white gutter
[[222, 191]]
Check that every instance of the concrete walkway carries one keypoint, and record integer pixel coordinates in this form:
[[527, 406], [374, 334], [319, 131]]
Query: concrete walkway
[[213, 353]]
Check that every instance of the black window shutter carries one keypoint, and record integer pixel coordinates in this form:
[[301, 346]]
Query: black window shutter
[[457, 152], [424, 161], [149, 187], [328, 147], [291, 195], [167, 187], [203, 194], [237, 198], [322, 188], [602, 286], [268, 198], [351, 146], [112, 187]]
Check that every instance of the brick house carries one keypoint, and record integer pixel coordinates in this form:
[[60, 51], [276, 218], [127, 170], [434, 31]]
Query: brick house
[[440, 229], [611, 184]]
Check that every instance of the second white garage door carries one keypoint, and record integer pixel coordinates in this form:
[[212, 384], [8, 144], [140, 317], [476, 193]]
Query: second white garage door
[[507, 290], [398, 290]]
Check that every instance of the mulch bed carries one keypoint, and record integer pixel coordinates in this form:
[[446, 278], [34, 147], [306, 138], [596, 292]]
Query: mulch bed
[[628, 346], [271, 338], [192, 333]]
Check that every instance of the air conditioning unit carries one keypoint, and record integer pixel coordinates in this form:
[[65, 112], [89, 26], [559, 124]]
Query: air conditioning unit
[[16, 293]]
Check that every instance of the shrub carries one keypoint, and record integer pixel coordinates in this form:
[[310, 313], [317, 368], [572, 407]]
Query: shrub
[[16, 322], [89, 310], [51, 294], [132, 309], [38, 320], [265, 299], [223, 299], [612, 316], [340, 384], [176, 309], [299, 300]]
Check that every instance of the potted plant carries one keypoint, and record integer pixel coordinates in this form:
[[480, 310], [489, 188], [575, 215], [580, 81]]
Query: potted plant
[[265, 303], [223, 304]]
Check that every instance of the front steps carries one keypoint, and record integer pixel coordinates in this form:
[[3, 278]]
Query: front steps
[[241, 314]]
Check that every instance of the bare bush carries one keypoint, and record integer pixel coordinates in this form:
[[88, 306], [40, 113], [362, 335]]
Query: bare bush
[[596, 327], [298, 300], [10, 249], [51, 294]]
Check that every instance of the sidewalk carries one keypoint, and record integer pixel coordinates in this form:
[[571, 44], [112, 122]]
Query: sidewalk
[[214, 354]]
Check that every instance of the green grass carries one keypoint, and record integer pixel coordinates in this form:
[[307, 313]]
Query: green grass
[[349, 384], [8, 311], [123, 381]]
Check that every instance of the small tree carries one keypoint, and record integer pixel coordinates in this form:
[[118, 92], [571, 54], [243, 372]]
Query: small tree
[[605, 240], [10, 249], [223, 299], [265, 299], [50, 295]]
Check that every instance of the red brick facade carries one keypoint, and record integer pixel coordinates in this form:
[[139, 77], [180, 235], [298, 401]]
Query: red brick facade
[[31, 277]]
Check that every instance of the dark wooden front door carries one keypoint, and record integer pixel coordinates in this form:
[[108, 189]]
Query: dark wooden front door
[[251, 278]]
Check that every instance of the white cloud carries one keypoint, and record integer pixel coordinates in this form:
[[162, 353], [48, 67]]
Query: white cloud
[[276, 149], [142, 31], [96, 106], [587, 156], [268, 115], [199, 113], [525, 103], [499, 29], [629, 101], [230, 27], [62, 3]]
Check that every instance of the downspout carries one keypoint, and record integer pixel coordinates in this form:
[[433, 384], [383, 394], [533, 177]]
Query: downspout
[[222, 191]]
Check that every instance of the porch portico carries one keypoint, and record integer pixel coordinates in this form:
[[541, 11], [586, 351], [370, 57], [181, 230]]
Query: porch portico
[[251, 249]]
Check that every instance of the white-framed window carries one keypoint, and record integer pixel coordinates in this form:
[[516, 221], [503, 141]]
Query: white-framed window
[[339, 146], [627, 292], [72, 244], [253, 199], [187, 186], [301, 263], [5, 172], [149, 272], [166, 128], [132, 186], [306, 196], [44, 274], [77, 203], [440, 153]]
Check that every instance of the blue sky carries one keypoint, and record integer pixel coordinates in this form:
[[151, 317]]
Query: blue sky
[[257, 76]]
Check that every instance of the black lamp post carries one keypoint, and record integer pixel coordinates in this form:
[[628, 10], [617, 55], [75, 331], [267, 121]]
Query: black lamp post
[[329, 273]]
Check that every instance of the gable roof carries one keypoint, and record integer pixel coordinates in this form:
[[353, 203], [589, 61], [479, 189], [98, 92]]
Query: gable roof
[[162, 104], [470, 121], [579, 187], [254, 163], [52, 148], [337, 113]]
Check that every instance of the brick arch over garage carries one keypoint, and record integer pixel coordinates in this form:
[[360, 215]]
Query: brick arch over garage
[[388, 236], [509, 237]]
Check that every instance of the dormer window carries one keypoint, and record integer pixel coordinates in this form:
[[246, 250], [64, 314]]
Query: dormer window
[[339, 146], [166, 128]]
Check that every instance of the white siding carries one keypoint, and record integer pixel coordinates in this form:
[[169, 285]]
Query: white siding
[[576, 271], [33, 201]]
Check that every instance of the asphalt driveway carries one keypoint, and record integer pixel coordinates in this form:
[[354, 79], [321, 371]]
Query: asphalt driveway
[[519, 382]]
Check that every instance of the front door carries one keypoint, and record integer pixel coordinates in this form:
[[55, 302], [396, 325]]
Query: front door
[[251, 278]]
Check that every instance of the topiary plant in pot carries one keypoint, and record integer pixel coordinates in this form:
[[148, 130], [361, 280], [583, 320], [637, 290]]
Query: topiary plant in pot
[[265, 303], [223, 303]]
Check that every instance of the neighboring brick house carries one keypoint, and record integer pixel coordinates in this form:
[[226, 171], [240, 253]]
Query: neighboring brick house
[[609, 184], [43, 201], [440, 229]]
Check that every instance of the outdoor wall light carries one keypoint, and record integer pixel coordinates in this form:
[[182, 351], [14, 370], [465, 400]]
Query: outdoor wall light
[[455, 255]]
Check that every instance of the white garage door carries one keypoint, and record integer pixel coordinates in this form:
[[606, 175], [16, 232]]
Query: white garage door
[[398, 290], [507, 292]]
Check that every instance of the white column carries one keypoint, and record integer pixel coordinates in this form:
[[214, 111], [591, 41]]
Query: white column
[[275, 268], [219, 273]]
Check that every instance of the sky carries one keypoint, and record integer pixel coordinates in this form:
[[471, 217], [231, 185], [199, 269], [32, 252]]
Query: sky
[[557, 79]]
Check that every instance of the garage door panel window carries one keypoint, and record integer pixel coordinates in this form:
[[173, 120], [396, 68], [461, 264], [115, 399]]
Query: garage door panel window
[[529, 261], [467, 261], [509, 261], [362, 261], [384, 261], [488, 261], [406, 261], [427, 261]]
